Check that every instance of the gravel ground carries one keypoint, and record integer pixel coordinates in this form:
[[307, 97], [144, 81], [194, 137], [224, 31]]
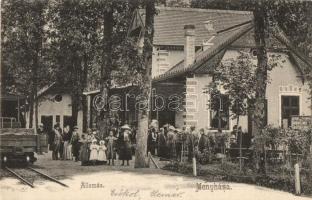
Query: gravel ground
[[125, 182]]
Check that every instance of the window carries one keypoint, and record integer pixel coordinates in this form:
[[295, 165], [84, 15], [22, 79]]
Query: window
[[58, 119], [163, 63], [58, 98], [290, 107], [219, 114]]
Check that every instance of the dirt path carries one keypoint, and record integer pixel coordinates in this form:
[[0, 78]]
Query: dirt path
[[121, 182]]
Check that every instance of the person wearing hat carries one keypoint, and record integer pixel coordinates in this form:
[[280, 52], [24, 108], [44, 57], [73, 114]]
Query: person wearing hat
[[178, 143], [94, 148], [162, 145], [56, 142], [192, 142], [203, 141], [171, 142], [102, 152], [152, 140], [125, 144], [40, 131], [75, 143], [67, 148], [111, 147], [85, 147]]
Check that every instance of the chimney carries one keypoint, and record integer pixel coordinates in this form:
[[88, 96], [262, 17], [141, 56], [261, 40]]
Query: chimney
[[189, 46]]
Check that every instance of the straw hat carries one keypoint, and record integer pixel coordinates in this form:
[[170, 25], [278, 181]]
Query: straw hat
[[178, 130], [75, 127], [94, 140], [171, 128], [126, 126]]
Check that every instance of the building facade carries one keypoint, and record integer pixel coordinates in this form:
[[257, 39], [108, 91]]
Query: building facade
[[187, 45], [55, 106]]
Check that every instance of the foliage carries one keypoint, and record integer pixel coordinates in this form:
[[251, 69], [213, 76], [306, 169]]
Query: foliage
[[295, 141], [22, 36], [236, 77], [205, 157], [267, 14], [229, 172]]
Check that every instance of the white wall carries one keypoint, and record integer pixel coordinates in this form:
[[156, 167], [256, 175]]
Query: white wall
[[159, 61], [47, 107], [284, 80]]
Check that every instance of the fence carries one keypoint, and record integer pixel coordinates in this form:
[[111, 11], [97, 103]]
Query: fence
[[277, 163]]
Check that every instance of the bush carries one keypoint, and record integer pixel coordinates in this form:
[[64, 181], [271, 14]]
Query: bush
[[228, 171]]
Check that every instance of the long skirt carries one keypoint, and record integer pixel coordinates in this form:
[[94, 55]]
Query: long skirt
[[67, 154], [94, 154], [102, 155], [84, 153], [56, 148], [125, 151], [75, 150]]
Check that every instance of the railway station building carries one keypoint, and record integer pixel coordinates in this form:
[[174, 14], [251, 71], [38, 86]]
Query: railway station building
[[188, 43]]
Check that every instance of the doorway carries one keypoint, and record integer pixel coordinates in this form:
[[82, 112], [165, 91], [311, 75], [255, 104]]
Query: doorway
[[67, 120], [47, 122]]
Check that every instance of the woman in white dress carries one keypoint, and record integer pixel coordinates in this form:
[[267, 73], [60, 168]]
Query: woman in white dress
[[94, 151], [102, 152]]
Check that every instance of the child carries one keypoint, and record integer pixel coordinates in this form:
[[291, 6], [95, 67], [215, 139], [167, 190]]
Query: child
[[102, 152], [111, 140], [94, 151]]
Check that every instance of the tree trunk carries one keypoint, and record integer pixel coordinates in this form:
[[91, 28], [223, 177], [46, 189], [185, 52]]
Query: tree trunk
[[35, 85], [261, 71], [106, 68], [141, 137], [85, 124], [31, 109], [75, 108]]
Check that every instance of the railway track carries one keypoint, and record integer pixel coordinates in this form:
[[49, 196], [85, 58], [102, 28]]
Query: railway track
[[29, 183]]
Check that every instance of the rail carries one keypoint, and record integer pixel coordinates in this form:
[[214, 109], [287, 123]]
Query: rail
[[20, 177], [36, 171]]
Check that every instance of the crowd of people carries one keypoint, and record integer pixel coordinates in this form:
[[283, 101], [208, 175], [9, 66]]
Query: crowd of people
[[91, 147], [167, 142], [170, 143]]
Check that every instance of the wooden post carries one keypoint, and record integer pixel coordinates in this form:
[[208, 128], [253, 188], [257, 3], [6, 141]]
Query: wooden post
[[18, 109], [240, 151], [149, 159], [297, 179], [265, 160], [181, 155], [194, 167]]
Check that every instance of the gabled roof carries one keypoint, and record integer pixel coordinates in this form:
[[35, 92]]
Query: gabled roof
[[169, 23], [205, 59]]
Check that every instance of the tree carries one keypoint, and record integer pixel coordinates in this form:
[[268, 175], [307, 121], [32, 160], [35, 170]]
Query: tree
[[143, 114], [75, 36], [236, 77], [22, 41]]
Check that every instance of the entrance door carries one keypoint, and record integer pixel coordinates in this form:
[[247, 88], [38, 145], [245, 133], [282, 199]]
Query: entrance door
[[47, 122], [166, 117], [67, 120]]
